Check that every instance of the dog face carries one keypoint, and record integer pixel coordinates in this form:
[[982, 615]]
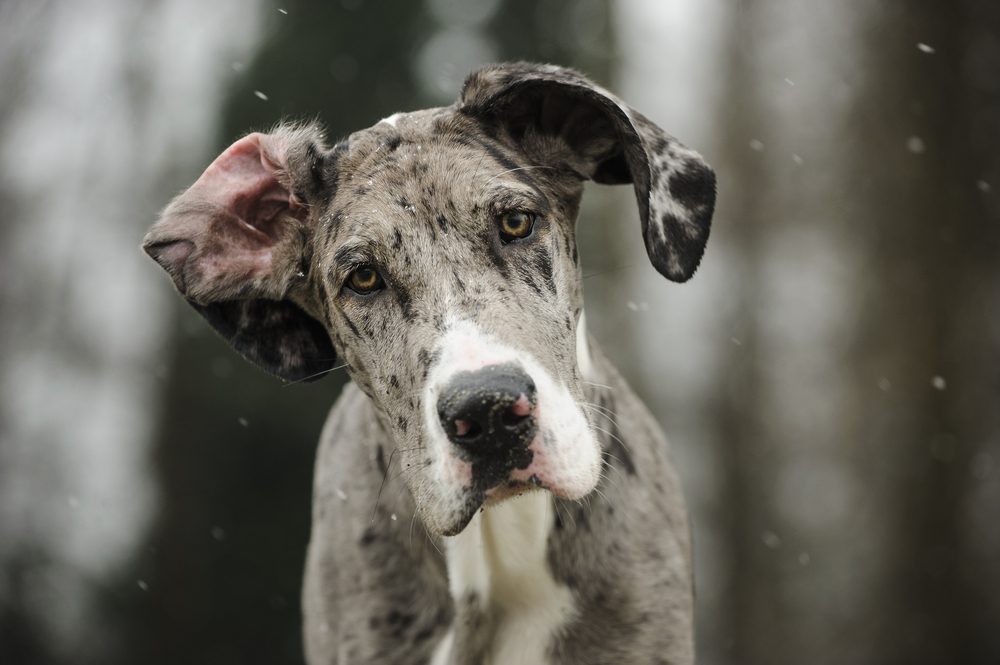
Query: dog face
[[434, 255]]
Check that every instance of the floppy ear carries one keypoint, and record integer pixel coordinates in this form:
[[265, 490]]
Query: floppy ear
[[609, 143], [237, 244]]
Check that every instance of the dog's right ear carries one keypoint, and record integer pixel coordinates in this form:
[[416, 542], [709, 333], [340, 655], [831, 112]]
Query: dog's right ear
[[238, 244]]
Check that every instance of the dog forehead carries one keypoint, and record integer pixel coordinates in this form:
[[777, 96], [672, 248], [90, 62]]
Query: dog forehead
[[413, 127], [407, 161]]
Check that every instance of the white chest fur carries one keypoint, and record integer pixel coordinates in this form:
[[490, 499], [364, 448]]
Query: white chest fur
[[501, 556]]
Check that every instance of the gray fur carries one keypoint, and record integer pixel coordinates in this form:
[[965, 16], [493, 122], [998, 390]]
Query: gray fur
[[417, 198]]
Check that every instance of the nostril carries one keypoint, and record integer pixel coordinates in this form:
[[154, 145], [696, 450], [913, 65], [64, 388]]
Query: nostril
[[513, 417], [467, 430], [522, 406]]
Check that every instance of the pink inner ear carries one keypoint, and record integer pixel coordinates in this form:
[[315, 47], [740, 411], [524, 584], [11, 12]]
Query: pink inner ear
[[243, 182], [219, 236]]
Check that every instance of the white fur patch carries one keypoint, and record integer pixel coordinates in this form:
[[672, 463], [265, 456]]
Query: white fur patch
[[392, 119], [502, 556], [583, 359]]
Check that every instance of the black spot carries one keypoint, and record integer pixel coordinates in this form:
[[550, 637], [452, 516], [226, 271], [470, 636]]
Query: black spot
[[354, 328], [528, 276], [405, 304], [316, 168], [392, 142], [423, 635], [401, 422], [397, 239], [685, 243], [380, 459], [394, 381], [399, 621], [368, 537], [493, 252], [693, 186], [458, 281], [442, 222], [543, 263]]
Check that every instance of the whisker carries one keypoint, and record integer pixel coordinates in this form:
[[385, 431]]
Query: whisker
[[599, 407], [313, 376], [600, 429], [382, 484], [432, 540], [601, 413], [519, 168], [478, 164], [569, 513]]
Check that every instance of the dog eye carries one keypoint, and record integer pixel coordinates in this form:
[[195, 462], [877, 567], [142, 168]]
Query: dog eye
[[364, 280], [515, 225]]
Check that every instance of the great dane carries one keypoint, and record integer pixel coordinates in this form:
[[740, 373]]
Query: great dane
[[487, 489]]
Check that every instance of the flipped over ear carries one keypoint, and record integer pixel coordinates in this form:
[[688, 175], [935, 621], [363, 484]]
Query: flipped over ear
[[610, 143], [237, 244]]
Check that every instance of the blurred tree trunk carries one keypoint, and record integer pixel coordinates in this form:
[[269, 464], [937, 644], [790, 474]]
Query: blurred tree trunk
[[932, 328], [746, 606], [848, 394]]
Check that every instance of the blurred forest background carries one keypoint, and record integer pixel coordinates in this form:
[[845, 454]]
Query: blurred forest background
[[829, 379]]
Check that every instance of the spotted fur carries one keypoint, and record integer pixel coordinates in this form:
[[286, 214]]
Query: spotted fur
[[263, 245]]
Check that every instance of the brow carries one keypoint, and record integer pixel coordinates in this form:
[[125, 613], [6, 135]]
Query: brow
[[354, 252]]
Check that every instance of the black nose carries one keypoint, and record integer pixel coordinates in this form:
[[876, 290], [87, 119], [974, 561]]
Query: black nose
[[487, 413]]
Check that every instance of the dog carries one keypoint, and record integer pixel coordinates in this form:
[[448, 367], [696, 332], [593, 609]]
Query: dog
[[433, 256]]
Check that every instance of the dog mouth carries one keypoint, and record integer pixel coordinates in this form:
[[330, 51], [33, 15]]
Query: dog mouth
[[478, 500]]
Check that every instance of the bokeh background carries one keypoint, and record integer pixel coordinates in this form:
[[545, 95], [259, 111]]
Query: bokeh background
[[829, 379]]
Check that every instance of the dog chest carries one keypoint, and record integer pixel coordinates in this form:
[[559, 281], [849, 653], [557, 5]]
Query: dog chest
[[498, 571]]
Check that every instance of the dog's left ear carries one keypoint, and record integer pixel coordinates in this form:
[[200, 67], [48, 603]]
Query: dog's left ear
[[608, 142]]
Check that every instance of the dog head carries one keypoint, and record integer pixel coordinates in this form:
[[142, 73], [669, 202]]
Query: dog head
[[434, 255]]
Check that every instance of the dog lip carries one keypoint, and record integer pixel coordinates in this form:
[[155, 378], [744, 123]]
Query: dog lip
[[463, 516]]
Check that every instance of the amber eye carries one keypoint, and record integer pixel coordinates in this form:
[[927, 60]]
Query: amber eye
[[515, 224], [364, 280]]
